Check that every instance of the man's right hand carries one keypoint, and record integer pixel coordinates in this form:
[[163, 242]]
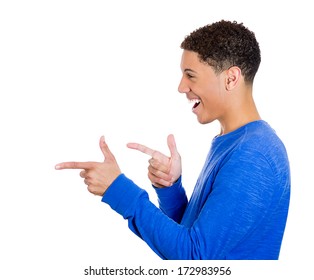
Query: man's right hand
[[163, 171]]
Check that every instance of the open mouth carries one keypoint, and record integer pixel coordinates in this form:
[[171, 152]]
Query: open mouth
[[195, 102]]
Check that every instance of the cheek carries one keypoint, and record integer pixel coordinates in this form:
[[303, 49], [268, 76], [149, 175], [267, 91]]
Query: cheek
[[213, 100], [213, 107]]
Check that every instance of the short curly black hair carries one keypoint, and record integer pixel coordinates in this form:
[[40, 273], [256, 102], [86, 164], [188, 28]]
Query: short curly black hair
[[224, 44]]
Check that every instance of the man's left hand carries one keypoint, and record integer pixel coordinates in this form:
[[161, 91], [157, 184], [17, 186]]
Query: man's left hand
[[98, 176]]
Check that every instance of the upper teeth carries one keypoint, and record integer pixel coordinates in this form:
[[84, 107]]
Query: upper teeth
[[195, 101]]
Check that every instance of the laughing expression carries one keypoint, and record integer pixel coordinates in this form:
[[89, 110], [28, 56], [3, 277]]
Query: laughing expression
[[203, 88]]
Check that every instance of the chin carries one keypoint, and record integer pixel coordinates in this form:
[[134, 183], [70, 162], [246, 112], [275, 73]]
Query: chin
[[204, 121]]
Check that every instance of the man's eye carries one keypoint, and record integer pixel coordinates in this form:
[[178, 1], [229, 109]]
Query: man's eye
[[189, 76]]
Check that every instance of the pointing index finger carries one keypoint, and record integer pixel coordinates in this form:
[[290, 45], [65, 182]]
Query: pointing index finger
[[74, 165], [148, 151], [141, 148]]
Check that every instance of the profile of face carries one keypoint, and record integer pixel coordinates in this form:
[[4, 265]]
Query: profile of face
[[203, 87]]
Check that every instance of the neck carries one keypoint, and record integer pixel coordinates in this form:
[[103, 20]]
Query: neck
[[239, 114]]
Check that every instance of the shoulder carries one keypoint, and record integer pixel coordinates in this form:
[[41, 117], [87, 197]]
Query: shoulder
[[252, 150], [261, 146], [260, 138]]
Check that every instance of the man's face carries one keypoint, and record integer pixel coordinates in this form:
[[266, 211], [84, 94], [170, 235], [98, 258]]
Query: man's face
[[203, 87]]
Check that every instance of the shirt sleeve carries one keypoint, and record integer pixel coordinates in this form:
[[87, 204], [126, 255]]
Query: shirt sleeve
[[239, 200], [172, 200]]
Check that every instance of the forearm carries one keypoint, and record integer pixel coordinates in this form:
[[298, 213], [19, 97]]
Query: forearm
[[160, 232], [172, 200]]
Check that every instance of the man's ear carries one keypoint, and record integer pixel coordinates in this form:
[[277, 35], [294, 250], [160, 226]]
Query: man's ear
[[233, 75]]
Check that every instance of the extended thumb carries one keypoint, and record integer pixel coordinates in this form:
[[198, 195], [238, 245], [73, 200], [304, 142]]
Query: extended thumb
[[172, 146], [104, 147]]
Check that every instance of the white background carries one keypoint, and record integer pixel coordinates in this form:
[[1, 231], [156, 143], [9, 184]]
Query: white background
[[71, 71]]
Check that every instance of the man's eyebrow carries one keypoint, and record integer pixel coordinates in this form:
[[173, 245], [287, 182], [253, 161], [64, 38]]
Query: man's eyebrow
[[189, 70]]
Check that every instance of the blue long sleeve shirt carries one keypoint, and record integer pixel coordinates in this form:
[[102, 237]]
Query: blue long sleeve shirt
[[238, 209]]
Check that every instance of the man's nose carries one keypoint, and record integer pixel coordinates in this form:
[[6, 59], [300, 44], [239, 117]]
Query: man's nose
[[183, 87]]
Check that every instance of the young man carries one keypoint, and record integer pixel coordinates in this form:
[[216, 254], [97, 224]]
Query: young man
[[239, 206]]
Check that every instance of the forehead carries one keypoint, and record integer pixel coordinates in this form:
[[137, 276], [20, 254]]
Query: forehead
[[189, 58], [191, 61]]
